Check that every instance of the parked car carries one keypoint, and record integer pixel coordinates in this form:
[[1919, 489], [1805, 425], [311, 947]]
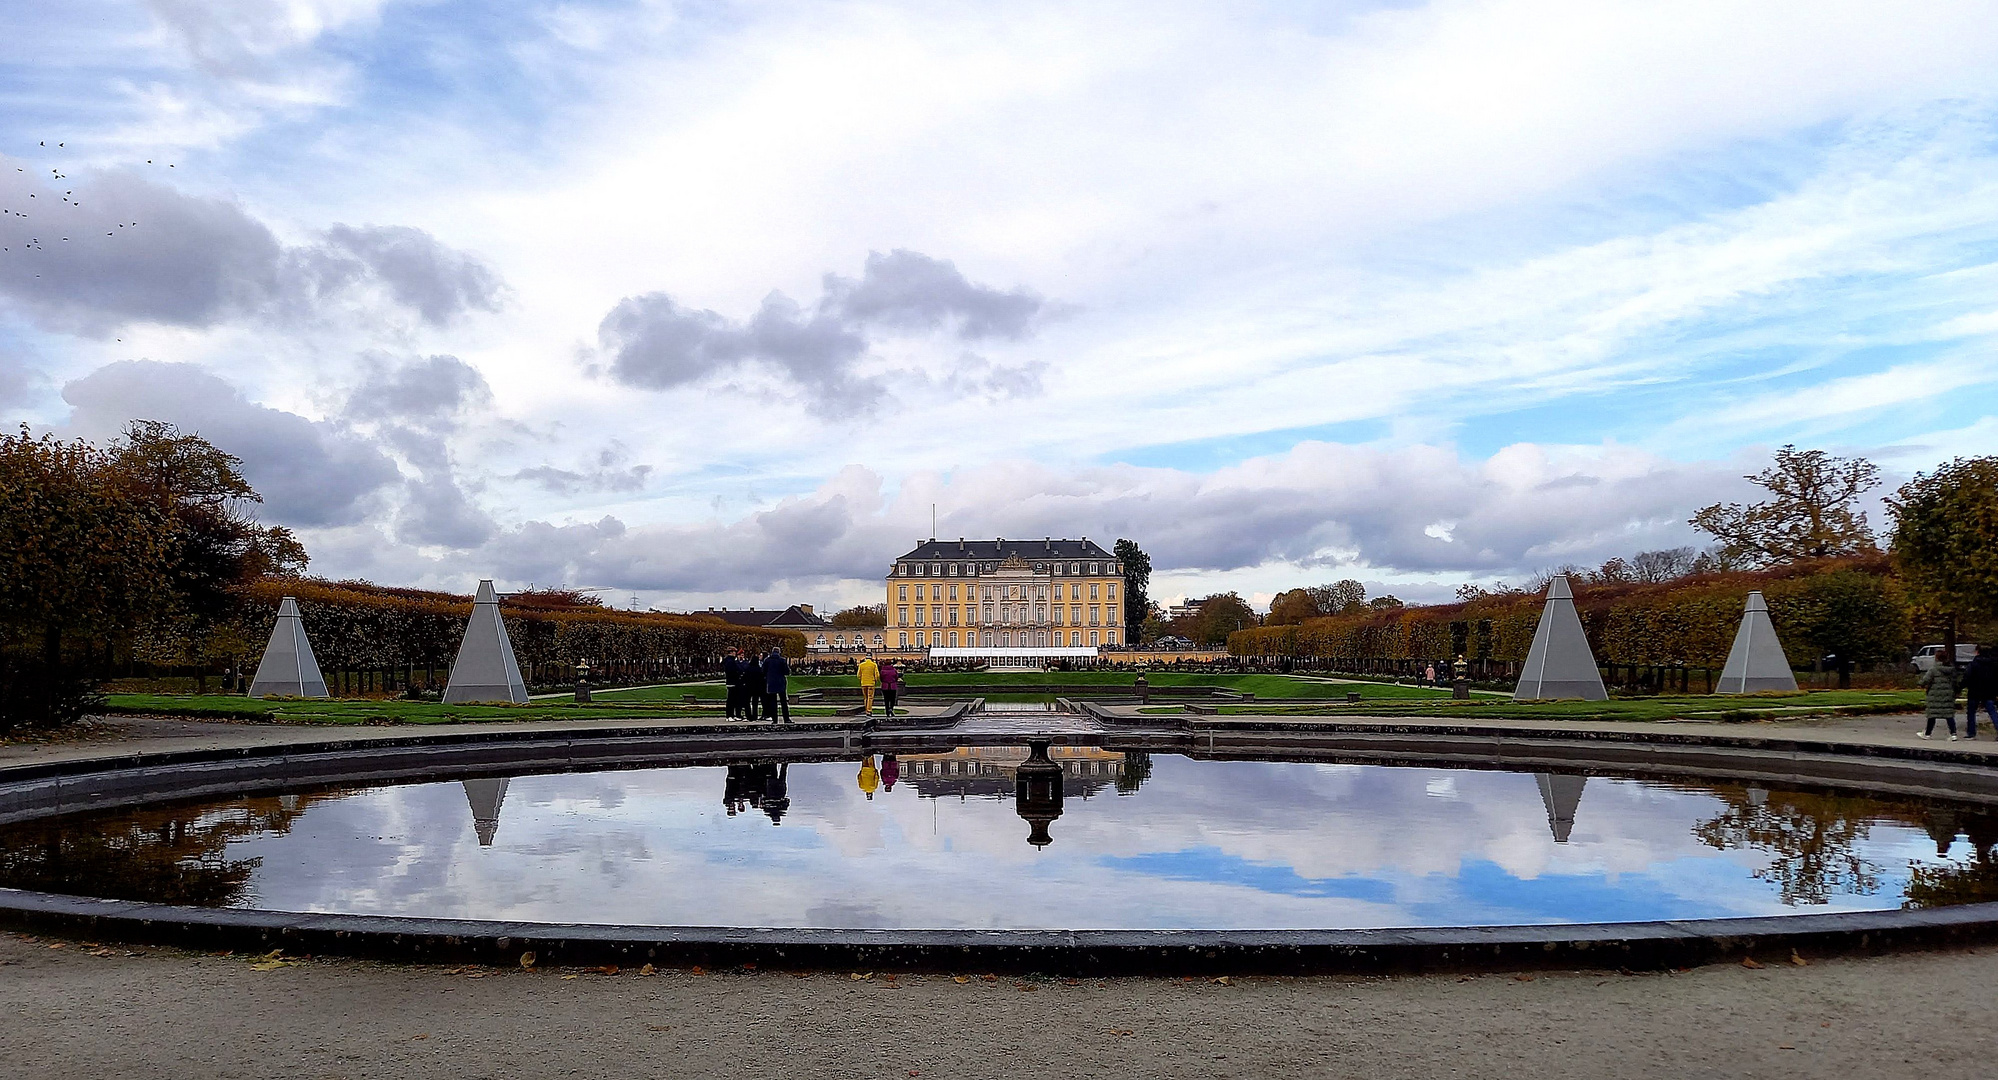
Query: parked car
[[1926, 657]]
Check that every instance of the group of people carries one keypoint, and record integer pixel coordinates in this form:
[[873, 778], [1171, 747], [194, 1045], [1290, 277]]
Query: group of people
[[757, 683], [764, 786], [883, 677], [1977, 680]]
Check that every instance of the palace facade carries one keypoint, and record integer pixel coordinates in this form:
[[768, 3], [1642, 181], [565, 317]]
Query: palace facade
[[1006, 594]]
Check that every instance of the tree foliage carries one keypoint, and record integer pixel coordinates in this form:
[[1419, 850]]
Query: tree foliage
[[1945, 540], [862, 615], [1221, 615], [1137, 581], [1812, 514]]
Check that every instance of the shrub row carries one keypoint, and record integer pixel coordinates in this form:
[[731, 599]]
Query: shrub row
[[1852, 608]]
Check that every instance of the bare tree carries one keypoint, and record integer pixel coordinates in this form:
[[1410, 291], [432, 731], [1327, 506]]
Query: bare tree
[[1652, 567]]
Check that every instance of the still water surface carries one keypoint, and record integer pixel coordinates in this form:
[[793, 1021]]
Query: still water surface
[[941, 840]]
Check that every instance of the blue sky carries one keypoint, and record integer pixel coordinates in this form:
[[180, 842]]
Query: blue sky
[[711, 303]]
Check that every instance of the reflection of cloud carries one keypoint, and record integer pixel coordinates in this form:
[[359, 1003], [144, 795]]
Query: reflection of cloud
[[1224, 844]]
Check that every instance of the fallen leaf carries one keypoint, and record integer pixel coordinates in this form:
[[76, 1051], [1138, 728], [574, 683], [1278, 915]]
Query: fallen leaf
[[648, 970], [1798, 960], [1027, 988], [607, 969], [857, 977], [749, 967], [961, 979], [527, 959], [1224, 981], [697, 970], [58, 945], [1071, 982], [566, 978], [1522, 978], [1119, 1031], [425, 1035], [1749, 962], [1781, 1046], [990, 978]]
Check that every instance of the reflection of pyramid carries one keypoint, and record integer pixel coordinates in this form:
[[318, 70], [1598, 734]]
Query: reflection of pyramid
[[485, 669], [1756, 662], [1561, 793], [288, 666], [485, 797], [1560, 665]]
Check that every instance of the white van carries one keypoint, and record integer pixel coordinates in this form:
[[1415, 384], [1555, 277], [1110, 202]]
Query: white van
[[1926, 658]]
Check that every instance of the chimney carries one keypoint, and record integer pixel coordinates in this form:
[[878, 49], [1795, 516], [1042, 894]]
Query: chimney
[[806, 608]]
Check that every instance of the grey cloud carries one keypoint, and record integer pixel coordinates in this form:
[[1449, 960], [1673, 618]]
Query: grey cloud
[[572, 482], [127, 249], [656, 343], [1320, 505], [415, 269], [231, 38], [425, 388], [975, 375], [439, 513], [15, 379], [908, 290], [310, 473]]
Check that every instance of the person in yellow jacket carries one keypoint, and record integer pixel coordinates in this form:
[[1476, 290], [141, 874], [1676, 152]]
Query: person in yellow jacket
[[870, 777], [870, 678]]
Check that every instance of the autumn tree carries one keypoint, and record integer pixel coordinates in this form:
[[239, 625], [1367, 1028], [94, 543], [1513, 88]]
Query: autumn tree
[[83, 558], [1221, 615], [1945, 540], [1293, 606], [862, 615], [1137, 581], [1812, 515], [1342, 597]]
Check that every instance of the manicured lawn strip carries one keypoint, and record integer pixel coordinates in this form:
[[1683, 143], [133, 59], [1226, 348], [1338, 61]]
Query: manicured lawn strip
[[1700, 707], [1271, 686], [347, 711]]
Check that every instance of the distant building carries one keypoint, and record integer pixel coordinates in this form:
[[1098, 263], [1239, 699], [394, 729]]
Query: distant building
[[1006, 594], [819, 633], [1187, 609]]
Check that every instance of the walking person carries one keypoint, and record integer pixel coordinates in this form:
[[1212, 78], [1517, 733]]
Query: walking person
[[775, 673], [1980, 687], [891, 684], [1941, 681], [870, 677]]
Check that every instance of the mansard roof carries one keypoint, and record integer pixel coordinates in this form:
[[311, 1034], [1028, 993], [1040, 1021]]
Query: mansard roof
[[792, 617], [995, 550]]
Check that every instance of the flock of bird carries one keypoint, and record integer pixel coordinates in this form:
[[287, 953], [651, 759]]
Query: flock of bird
[[34, 243]]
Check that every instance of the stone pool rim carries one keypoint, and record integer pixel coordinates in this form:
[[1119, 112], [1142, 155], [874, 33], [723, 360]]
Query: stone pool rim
[[58, 788]]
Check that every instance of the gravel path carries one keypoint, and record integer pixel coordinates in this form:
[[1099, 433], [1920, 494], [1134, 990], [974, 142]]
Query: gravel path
[[66, 1013]]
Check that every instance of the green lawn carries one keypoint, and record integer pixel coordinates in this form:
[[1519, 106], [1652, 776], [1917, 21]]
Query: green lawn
[[1263, 686], [355, 711], [1689, 707]]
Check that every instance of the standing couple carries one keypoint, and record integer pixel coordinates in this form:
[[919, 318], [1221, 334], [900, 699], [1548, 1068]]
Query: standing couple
[[881, 676], [752, 682]]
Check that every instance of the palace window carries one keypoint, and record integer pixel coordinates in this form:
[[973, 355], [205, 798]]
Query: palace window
[[919, 616], [1092, 590], [953, 639], [1095, 568], [1110, 591], [1075, 568], [988, 594], [904, 635], [953, 572], [953, 614], [1075, 637], [936, 616], [1109, 637], [1093, 609], [904, 595], [901, 616], [1092, 637], [1075, 614], [953, 592], [1040, 613], [987, 638], [1057, 614], [936, 592], [988, 612], [936, 637]]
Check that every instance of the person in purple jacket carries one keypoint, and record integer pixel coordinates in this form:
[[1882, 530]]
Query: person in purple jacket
[[891, 684]]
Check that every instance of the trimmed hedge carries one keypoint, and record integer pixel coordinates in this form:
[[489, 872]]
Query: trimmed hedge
[[359, 627], [1853, 607]]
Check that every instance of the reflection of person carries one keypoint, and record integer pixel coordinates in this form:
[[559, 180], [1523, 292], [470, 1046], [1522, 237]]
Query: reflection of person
[[1941, 681], [891, 684], [891, 771], [870, 677], [1980, 685], [775, 671], [732, 788], [870, 777], [776, 791]]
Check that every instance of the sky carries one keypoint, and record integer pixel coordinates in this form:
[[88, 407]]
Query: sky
[[722, 304]]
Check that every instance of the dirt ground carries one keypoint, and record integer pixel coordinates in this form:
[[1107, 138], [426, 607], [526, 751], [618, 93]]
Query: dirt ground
[[70, 1009]]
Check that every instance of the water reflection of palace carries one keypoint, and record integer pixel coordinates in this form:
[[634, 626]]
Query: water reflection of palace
[[991, 771]]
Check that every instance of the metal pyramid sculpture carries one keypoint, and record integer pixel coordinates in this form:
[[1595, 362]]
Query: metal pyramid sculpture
[[485, 669], [1560, 664], [1561, 793], [485, 797], [288, 668], [1757, 661]]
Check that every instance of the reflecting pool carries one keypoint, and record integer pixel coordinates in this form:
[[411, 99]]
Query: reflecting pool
[[984, 837]]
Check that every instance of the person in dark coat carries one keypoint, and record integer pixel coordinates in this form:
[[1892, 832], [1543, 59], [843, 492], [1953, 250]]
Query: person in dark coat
[[752, 685], [1940, 682], [732, 679], [1980, 685], [776, 671]]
